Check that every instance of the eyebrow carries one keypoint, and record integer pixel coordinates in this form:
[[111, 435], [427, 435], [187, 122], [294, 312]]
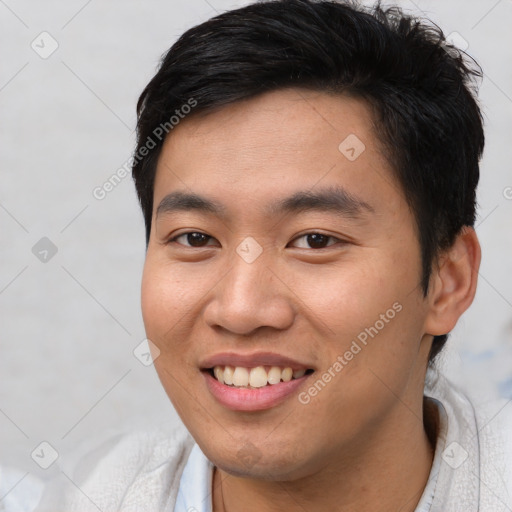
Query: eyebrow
[[333, 199]]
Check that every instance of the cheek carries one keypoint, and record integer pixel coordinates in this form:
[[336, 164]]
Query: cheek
[[343, 299], [368, 313], [169, 304], [168, 300], [157, 304]]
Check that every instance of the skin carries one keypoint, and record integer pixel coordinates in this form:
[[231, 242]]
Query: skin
[[361, 443]]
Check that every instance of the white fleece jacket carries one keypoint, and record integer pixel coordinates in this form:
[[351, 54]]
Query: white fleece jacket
[[140, 472]]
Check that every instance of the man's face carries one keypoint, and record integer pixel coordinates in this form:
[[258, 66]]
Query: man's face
[[284, 275]]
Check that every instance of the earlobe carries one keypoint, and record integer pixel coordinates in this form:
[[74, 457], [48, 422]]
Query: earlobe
[[453, 283]]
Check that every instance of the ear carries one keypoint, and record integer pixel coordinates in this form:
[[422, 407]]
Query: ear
[[453, 283]]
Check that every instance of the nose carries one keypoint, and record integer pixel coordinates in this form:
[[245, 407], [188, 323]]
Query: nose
[[250, 296]]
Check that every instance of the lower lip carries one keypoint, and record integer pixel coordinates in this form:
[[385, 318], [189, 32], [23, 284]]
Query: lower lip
[[252, 399]]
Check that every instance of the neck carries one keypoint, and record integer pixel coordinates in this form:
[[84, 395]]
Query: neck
[[386, 469]]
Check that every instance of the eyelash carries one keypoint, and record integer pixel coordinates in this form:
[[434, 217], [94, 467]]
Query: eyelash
[[173, 239]]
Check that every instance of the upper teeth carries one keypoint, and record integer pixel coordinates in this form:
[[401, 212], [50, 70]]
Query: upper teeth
[[255, 377]]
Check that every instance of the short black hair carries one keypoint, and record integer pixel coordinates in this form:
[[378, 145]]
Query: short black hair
[[421, 91]]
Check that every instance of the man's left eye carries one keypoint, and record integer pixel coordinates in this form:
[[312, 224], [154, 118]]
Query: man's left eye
[[315, 241]]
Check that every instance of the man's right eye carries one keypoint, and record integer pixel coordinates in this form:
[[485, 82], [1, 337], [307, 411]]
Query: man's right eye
[[192, 238]]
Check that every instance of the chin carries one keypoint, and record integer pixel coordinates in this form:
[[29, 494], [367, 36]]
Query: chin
[[249, 462]]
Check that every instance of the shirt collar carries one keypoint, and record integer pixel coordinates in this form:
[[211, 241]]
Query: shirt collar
[[195, 492]]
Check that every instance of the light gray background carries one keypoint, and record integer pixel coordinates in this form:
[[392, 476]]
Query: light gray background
[[69, 326]]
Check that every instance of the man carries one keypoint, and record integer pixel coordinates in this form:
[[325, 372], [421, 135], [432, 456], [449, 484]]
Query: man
[[307, 173]]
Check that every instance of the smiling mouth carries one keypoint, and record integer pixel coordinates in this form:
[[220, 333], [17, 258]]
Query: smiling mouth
[[256, 377]]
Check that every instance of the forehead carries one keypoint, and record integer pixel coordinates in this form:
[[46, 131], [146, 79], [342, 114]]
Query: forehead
[[277, 144]]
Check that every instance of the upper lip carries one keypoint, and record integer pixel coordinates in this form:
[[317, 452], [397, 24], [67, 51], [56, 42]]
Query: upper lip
[[252, 360]]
